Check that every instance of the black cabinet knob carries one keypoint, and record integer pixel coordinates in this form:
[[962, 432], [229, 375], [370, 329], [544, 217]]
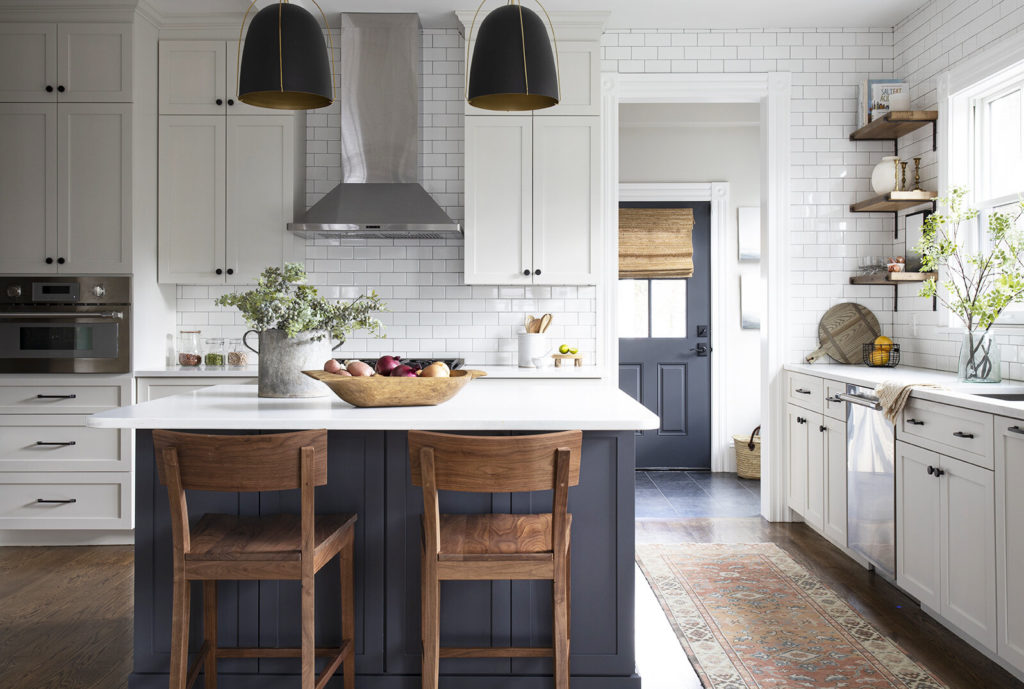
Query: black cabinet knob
[[219, 271], [801, 419], [939, 472], [61, 260], [231, 101], [822, 429], [49, 89], [60, 89], [231, 271], [220, 101], [537, 272], [526, 272], [931, 470], [49, 260]]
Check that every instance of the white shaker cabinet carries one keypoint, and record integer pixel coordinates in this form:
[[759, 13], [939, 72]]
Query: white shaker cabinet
[[532, 200], [226, 192], [945, 545], [834, 446], [798, 441], [66, 188], [200, 78], [28, 187], [71, 63], [1009, 483]]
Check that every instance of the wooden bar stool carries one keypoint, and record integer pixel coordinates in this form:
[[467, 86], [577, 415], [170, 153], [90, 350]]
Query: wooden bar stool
[[495, 546], [281, 546]]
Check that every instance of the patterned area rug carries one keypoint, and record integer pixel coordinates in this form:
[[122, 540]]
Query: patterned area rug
[[750, 617]]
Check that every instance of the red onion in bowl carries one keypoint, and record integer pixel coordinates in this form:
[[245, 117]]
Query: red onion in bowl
[[403, 371], [386, 364]]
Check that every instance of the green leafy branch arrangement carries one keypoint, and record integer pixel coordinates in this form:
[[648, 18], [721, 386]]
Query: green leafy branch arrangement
[[980, 285], [282, 301]]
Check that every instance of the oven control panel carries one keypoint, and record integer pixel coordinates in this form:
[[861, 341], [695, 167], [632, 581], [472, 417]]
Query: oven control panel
[[64, 290]]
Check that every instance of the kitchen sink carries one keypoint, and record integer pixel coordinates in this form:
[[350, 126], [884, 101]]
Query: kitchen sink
[[1006, 397]]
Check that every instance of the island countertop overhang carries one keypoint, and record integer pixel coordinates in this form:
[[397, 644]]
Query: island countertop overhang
[[495, 405]]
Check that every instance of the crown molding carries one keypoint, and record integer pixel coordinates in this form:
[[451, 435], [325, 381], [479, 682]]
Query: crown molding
[[68, 10], [571, 26]]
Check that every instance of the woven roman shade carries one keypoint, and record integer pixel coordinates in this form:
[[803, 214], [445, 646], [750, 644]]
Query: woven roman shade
[[655, 242]]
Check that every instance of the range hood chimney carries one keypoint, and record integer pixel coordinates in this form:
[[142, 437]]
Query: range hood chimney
[[380, 196]]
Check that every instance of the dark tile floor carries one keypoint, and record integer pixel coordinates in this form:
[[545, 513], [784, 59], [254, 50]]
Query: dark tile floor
[[675, 494]]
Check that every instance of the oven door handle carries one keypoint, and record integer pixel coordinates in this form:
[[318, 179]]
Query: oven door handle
[[861, 400], [109, 315]]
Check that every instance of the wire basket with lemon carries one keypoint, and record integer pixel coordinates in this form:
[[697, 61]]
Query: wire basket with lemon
[[883, 352]]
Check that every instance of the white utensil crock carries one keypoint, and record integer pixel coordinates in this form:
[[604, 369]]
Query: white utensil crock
[[531, 346]]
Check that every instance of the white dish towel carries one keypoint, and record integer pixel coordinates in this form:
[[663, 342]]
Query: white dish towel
[[893, 395]]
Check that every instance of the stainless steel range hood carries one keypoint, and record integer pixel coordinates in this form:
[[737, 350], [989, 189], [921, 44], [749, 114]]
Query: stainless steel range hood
[[380, 195]]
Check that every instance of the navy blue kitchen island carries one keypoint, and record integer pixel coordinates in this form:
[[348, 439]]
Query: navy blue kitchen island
[[368, 473]]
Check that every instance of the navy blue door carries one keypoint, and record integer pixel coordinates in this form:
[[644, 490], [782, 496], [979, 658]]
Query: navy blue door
[[665, 353]]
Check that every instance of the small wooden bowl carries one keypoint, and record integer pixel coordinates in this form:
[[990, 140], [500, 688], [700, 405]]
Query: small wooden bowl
[[383, 391]]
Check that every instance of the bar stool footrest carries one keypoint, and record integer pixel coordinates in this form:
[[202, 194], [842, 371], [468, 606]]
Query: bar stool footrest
[[497, 652]]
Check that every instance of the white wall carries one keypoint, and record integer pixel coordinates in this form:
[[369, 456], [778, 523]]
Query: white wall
[[930, 41], [707, 143]]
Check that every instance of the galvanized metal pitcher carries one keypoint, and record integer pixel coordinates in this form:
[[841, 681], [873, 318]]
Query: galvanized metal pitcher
[[282, 360]]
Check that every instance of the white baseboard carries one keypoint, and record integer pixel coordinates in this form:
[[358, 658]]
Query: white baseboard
[[65, 537]]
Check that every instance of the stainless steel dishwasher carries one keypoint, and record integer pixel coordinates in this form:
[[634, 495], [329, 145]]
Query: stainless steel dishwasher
[[870, 480]]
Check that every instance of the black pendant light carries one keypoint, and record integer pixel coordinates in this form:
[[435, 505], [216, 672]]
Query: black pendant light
[[285, 64], [513, 68]]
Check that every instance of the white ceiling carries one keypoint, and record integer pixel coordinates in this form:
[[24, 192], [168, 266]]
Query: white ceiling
[[641, 14]]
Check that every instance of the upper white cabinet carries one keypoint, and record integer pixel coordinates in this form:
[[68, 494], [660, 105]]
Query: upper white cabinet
[[1009, 486], [66, 188], [200, 78], [71, 63], [532, 200], [226, 191]]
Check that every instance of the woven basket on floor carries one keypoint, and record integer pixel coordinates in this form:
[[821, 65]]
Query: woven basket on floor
[[748, 454]]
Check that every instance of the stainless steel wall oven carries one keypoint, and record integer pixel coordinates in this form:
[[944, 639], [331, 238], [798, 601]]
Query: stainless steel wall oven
[[65, 324]]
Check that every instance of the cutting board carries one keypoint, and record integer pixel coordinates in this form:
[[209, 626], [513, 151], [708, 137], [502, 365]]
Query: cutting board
[[843, 330]]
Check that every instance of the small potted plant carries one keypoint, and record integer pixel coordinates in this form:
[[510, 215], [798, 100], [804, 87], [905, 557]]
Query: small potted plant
[[295, 326], [980, 284]]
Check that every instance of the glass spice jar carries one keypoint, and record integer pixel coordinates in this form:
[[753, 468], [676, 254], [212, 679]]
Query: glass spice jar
[[215, 356], [237, 357], [188, 348]]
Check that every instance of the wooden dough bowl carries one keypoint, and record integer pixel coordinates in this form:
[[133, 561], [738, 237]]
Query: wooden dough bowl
[[382, 391]]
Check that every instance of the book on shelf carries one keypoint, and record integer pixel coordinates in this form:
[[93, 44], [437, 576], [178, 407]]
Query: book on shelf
[[877, 93]]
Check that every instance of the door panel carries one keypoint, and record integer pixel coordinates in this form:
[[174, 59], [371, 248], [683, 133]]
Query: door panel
[[94, 188], [835, 482], [28, 187], [918, 523], [28, 53], [94, 63], [664, 370], [796, 444], [193, 77]]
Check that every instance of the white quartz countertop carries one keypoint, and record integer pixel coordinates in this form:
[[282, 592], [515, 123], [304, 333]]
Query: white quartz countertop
[[953, 391], [499, 404], [493, 372]]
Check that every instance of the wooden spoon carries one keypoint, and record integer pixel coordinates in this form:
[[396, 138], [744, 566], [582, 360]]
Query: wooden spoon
[[545, 323]]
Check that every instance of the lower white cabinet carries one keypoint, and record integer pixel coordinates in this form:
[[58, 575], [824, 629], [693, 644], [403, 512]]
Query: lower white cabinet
[[1009, 475], [56, 473], [817, 471], [149, 389], [945, 544]]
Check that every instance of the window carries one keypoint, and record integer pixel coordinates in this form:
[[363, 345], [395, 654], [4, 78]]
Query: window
[[652, 308], [987, 153]]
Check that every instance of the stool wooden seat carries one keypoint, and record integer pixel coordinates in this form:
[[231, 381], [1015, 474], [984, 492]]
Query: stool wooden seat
[[495, 546], [272, 547]]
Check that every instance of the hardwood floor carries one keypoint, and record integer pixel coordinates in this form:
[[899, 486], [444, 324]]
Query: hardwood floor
[[890, 611], [65, 617], [65, 613]]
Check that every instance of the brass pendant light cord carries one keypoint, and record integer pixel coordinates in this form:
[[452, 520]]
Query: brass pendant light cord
[[554, 41], [280, 57], [522, 42]]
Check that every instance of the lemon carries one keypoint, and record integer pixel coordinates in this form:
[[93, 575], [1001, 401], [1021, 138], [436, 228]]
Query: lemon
[[884, 344], [564, 349], [879, 355]]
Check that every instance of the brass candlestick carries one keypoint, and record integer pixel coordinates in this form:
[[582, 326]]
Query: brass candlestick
[[903, 178], [917, 174]]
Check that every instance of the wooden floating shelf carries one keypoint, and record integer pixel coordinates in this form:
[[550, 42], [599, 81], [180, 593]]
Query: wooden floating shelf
[[894, 125], [893, 201], [891, 278]]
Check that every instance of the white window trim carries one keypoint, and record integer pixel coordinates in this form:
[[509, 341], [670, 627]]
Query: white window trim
[[958, 90]]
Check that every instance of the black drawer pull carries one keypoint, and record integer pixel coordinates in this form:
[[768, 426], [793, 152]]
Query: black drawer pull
[[57, 502], [802, 391], [961, 434], [915, 422], [1016, 429], [834, 399], [56, 397], [64, 444]]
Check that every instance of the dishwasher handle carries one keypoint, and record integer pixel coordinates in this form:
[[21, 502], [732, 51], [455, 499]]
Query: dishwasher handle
[[869, 401]]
